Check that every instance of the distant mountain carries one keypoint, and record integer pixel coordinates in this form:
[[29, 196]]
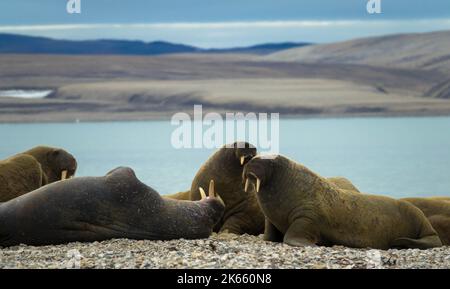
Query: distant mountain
[[428, 51], [261, 48], [11, 43]]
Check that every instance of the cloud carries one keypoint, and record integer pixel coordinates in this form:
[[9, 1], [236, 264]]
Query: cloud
[[216, 25]]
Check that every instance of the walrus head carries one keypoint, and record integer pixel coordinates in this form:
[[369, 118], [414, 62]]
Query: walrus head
[[243, 152], [214, 203], [56, 163], [258, 171], [62, 165]]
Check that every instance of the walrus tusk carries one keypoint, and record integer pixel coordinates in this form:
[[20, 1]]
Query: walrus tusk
[[242, 160], [258, 183], [220, 199], [64, 175], [246, 185], [211, 189], [202, 193]]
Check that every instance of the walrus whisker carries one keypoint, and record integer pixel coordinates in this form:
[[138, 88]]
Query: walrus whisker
[[202, 193], [258, 184], [211, 189], [242, 160], [246, 185], [64, 175]]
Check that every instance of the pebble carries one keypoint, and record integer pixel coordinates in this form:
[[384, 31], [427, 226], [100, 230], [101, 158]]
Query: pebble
[[218, 251]]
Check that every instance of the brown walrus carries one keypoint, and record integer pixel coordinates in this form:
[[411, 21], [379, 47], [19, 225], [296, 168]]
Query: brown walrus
[[304, 209], [242, 214], [27, 171], [118, 205], [437, 210]]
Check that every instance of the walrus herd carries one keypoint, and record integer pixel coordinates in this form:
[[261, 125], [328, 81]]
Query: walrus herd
[[42, 203]]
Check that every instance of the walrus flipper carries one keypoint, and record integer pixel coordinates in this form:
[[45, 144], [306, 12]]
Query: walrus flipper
[[301, 232], [271, 233], [423, 243], [240, 223]]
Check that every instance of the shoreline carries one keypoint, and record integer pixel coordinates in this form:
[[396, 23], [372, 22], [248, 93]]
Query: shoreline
[[156, 118]]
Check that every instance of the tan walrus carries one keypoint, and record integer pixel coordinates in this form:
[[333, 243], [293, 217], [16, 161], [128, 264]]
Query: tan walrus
[[304, 209], [437, 210], [28, 171]]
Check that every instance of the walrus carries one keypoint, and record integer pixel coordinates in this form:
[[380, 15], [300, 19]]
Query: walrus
[[304, 209], [437, 210], [32, 169], [242, 214], [117, 205]]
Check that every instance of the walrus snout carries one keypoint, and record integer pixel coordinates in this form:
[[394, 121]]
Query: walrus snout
[[256, 172], [211, 193], [69, 171], [214, 202], [65, 164], [244, 152]]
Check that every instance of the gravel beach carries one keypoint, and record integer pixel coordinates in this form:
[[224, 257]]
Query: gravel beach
[[218, 251]]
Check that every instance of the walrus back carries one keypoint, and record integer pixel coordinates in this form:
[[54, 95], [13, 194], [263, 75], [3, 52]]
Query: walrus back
[[182, 196], [343, 183], [19, 175]]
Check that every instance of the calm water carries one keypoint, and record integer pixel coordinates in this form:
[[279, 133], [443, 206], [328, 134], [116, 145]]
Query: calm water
[[391, 156]]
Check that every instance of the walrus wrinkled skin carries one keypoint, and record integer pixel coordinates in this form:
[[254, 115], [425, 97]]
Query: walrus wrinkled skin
[[242, 214], [88, 209], [30, 170], [258, 223], [437, 210], [343, 183], [304, 209]]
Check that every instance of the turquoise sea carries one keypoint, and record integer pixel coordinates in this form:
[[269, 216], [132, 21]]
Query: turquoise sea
[[392, 156]]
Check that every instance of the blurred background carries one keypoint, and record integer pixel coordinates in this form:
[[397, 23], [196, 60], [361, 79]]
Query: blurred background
[[366, 96]]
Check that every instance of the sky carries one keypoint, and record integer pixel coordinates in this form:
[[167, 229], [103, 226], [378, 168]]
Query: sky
[[222, 23]]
